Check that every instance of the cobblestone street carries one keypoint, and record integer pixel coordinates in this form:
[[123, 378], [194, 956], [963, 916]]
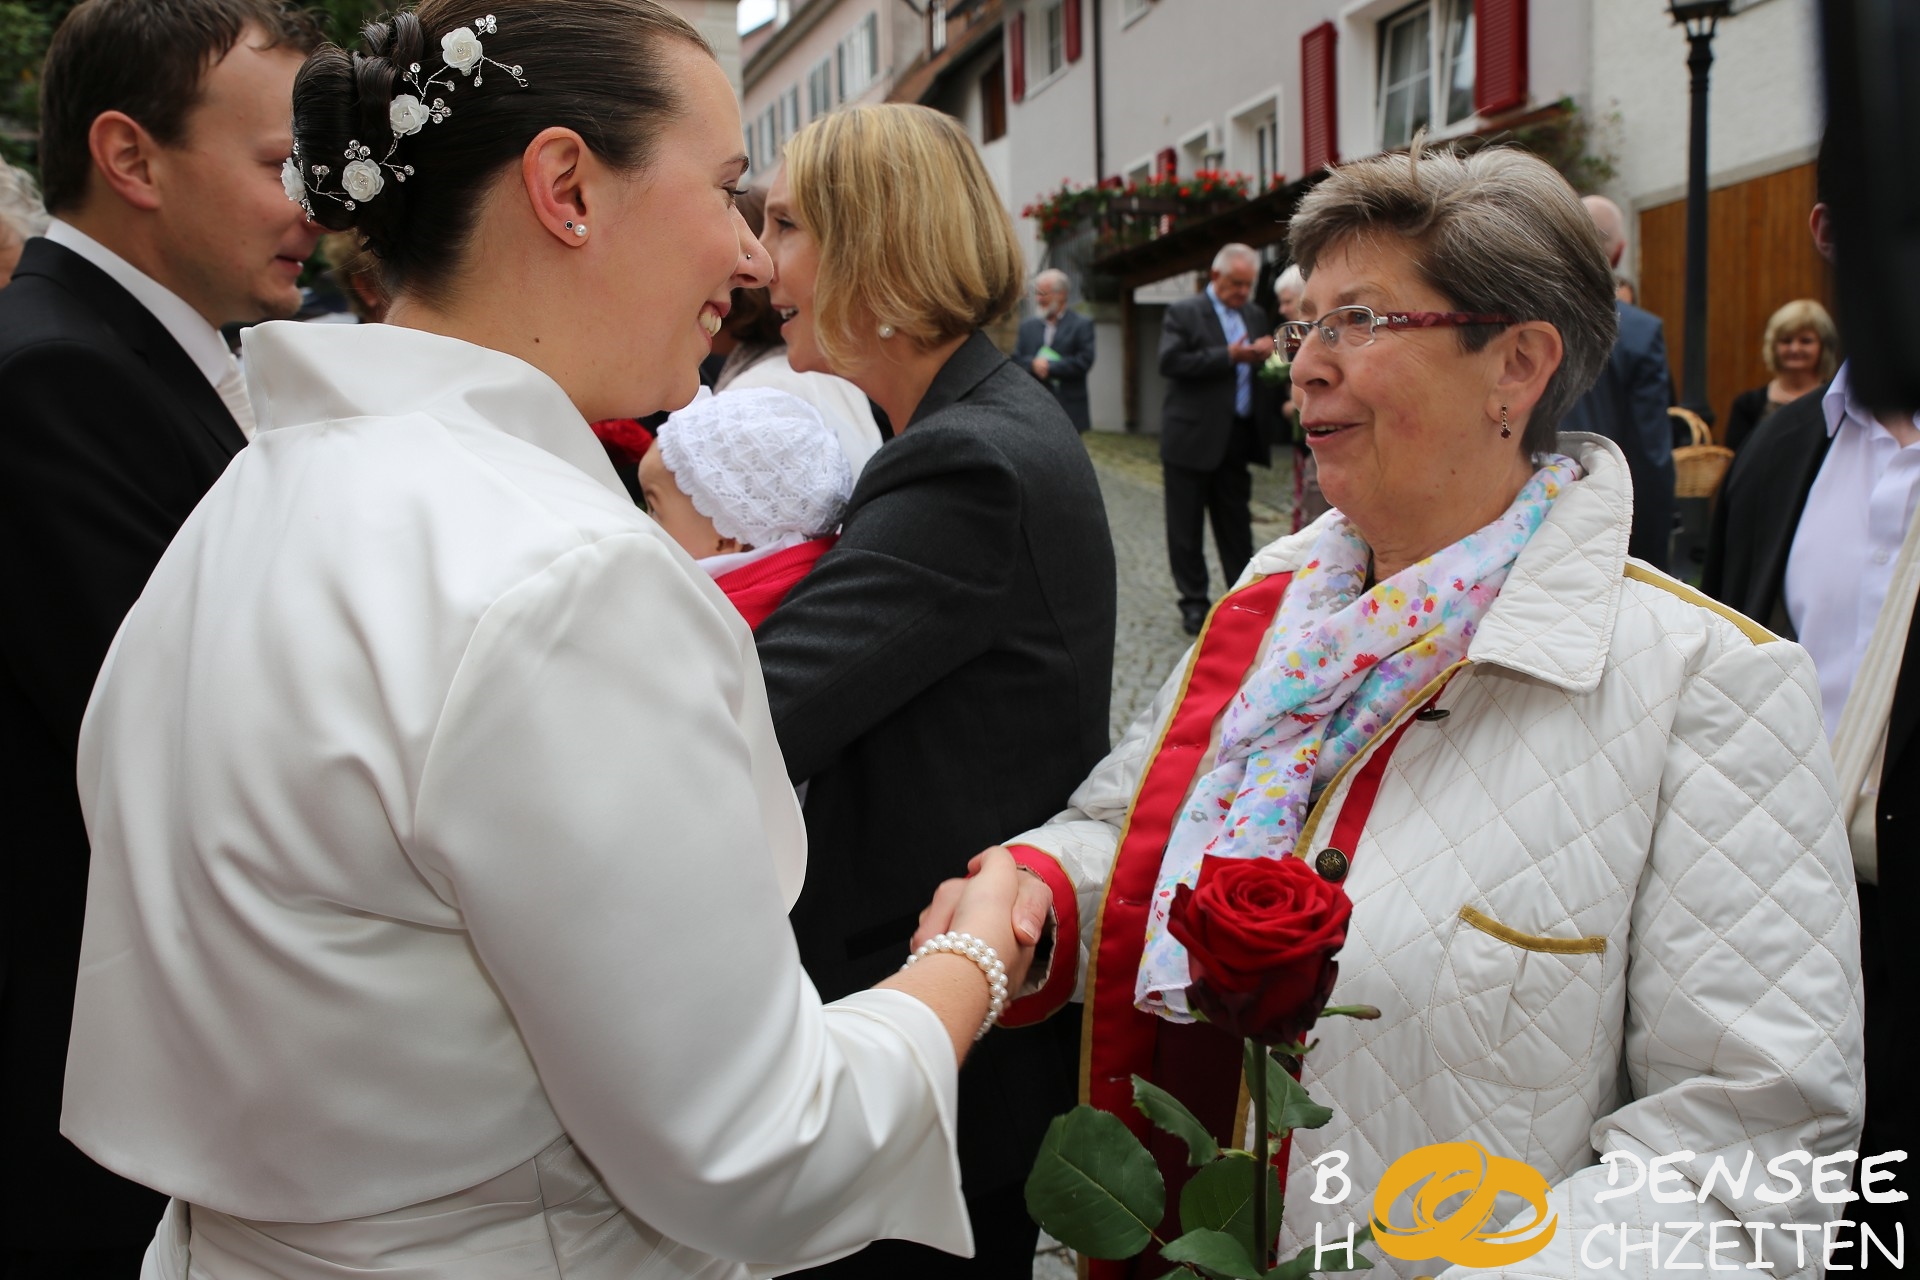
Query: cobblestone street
[[1148, 641]]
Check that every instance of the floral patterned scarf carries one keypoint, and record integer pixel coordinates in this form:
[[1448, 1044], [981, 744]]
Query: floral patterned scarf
[[1341, 661]]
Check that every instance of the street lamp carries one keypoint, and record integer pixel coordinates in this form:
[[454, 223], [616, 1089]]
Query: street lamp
[[1700, 18]]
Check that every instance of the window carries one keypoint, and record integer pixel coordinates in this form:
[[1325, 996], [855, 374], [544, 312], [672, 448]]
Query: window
[[789, 113], [859, 58], [1050, 41], [769, 131], [1201, 149], [936, 27], [820, 89], [1426, 69], [1254, 138], [993, 102]]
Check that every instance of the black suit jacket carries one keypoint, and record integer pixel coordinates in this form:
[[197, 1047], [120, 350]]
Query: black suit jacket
[[1073, 338], [109, 434], [1760, 507], [941, 678], [1628, 404], [1196, 419]]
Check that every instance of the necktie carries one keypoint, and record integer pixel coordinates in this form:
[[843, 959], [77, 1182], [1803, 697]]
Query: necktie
[[1050, 329], [232, 389]]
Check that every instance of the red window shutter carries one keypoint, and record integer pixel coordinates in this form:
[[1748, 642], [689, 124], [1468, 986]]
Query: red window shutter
[[1167, 163], [1499, 55], [1017, 55], [1321, 143], [1070, 18]]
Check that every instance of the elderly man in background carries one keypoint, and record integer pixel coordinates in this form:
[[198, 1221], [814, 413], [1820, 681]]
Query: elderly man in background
[[1628, 404], [162, 130], [21, 216], [1216, 419], [1058, 345]]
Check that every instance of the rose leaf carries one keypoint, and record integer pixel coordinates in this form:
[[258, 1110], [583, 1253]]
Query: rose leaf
[[1220, 1198], [1289, 1105], [1094, 1187], [1214, 1252], [1169, 1113]]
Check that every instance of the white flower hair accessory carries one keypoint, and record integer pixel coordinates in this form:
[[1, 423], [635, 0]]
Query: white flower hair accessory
[[361, 179]]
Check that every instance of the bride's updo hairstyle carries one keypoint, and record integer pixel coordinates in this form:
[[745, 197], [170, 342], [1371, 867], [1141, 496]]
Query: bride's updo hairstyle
[[597, 67]]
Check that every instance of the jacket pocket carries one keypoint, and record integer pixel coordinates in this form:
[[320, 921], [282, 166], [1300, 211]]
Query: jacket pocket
[[1516, 1008]]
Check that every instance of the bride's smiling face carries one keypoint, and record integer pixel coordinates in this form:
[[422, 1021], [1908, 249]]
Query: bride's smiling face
[[673, 245]]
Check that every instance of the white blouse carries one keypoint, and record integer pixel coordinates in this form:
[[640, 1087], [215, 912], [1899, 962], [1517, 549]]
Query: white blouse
[[436, 814]]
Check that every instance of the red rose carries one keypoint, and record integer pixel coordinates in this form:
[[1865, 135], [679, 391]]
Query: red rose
[[1261, 935]]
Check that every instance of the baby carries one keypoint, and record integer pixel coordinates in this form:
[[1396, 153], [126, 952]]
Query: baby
[[751, 483]]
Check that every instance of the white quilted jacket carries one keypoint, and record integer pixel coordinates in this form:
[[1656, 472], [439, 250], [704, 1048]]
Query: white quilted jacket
[[1623, 761]]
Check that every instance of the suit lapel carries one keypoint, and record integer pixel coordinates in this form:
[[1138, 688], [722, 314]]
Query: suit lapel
[[1794, 472], [134, 325]]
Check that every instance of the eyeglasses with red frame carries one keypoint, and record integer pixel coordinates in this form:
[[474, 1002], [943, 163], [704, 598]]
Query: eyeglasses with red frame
[[1359, 326]]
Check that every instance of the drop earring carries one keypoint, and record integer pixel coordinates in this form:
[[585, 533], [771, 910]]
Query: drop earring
[[1506, 432]]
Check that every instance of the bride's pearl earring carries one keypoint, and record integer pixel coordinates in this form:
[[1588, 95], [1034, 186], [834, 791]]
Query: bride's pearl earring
[[886, 331]]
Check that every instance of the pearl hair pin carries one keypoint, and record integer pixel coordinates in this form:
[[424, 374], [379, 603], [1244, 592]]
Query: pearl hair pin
[[965, 944]]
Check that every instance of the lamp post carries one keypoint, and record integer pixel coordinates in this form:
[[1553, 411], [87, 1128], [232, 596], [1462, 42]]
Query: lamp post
[[1700, 18]]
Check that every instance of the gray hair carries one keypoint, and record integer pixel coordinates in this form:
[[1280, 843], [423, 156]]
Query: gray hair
[[20, 209], [1232, 253], [1055, 277], [1495, 231], [1292, 280]]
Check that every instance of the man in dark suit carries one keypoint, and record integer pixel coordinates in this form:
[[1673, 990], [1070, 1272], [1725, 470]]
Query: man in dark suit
[[1058, 346], [1807, 535], [1216, 419], [162, 128], [1629, 402]]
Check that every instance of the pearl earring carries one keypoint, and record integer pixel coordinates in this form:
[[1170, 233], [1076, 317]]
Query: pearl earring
[[578, 228], [886, 331], [1506, 432]]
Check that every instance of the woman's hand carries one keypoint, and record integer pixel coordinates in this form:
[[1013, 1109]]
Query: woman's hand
[[1001, 905]]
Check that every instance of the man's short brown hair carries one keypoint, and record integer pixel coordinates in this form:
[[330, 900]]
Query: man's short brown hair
[[148, 58]]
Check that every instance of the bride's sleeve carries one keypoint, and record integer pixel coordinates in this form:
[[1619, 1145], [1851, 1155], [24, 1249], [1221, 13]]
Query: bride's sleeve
[[597, 800]]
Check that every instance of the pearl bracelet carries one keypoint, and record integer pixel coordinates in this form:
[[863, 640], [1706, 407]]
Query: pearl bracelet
[[965, 944]]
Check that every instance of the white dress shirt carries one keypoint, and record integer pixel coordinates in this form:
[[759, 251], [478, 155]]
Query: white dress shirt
[[200, 340], [438, 818], [1848, 538]]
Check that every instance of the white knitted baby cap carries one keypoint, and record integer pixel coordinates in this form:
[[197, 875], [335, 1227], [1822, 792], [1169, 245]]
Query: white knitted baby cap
[[760, 463]]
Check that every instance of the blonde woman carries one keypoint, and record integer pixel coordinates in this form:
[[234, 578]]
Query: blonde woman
[[944, 671], [1801, 350]]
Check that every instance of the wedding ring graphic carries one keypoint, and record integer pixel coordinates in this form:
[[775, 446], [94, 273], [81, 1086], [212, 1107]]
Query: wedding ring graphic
[[1467, 1236]]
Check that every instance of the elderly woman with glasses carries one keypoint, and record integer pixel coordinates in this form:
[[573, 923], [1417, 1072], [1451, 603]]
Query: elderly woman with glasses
[[1585, 817]]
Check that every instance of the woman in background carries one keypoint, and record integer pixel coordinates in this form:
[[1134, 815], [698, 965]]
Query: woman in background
[[1801, 349]]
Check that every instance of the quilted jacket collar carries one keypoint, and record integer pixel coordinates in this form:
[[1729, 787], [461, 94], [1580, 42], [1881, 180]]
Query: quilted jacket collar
[[1554, 617]]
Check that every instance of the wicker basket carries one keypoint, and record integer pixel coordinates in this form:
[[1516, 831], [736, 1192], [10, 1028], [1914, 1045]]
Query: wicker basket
[[1698, 467]]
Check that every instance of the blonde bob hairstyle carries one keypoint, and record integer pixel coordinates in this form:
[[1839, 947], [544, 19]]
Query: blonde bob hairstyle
[[911, 231], [1802, 315]]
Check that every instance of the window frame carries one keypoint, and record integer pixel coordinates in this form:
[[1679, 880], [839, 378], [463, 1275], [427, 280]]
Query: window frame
[[1443, 18], [862, 38]]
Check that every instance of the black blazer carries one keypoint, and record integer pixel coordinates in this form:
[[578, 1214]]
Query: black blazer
[[109, 434], [1760, 507], [1196, 418], [941, 680], [1073, 338], [1628, 404]]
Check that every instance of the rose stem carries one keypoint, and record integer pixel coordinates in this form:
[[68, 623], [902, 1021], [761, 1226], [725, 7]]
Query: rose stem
[[1263, 1154]]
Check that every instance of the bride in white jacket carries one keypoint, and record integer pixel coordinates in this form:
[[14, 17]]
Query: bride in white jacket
[[441, 844]]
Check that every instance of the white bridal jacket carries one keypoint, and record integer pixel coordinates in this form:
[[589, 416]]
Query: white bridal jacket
[[442, 851]]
